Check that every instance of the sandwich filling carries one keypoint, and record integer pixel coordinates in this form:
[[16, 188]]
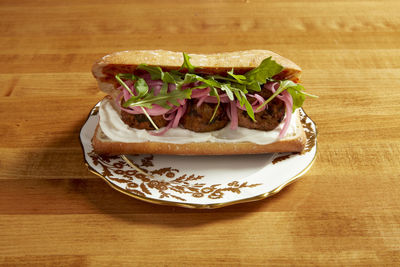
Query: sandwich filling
[[191, 105], [116, 130]]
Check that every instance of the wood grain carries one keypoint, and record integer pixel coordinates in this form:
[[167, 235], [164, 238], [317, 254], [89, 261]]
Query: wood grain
[[345, 211]]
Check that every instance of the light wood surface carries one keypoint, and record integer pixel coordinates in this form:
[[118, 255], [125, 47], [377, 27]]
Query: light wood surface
[[344, 211]]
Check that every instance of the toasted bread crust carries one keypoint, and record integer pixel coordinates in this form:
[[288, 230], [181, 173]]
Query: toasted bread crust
[[127, 61], [205, 148]]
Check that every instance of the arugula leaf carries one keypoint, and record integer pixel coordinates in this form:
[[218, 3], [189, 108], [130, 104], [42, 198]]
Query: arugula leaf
[[164, 88], [297, 93], [177, 75], [156, 73], [249, 108], [241, 96], [228, 91], [163, 99], [168, 78], [254, 86], [201, 86], [240, 87], [190, 78], [214, 92], [266, 70], [186, 63], [294, 89], [277, 92], [141, 87], [210, 81], [128, 77], [238, 78], [219, 77], [149, 118]]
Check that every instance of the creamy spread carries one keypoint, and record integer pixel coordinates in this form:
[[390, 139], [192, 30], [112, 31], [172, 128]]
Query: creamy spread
[[116, 130]]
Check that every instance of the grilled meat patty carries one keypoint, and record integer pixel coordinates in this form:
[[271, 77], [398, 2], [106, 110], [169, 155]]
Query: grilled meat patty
[[140, 121], [267, 119], [197, 119]]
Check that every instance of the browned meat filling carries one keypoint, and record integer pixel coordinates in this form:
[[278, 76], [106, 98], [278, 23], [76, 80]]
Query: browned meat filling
[[197, 119], [267, 119], [140, 121]]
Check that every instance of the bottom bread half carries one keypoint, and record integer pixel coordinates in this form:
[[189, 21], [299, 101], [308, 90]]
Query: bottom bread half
[[104, 146]]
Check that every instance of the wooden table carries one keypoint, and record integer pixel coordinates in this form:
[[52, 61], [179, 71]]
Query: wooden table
[[344, 211]]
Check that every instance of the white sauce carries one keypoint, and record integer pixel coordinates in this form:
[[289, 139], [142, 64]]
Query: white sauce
[[116, 130]]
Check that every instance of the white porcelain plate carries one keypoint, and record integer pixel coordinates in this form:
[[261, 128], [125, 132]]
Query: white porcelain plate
[[199, 181]]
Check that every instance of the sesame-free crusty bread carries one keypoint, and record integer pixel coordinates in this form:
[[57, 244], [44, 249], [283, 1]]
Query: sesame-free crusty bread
[[107, 67]]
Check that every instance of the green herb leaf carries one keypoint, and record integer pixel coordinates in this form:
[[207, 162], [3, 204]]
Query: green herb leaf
[[295, 90], [163, 99], [238, 78], [186, 63], [266, 70], [219, 77], [297, 93], [164, 88], [149, 118], [214, 92], [177, 75], [228, 91], [156, 73], [190, 78], [128, 77], [141, 87], [254, 86], [239, 97], [240, 87], [211, 82], [168, 78], [248, 106], [277, 92]]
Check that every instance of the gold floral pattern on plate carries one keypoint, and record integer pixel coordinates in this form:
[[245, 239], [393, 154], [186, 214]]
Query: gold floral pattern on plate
[[166, 181], [181, 181]]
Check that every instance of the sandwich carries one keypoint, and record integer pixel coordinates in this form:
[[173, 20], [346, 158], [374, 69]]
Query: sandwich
[[164, 102]]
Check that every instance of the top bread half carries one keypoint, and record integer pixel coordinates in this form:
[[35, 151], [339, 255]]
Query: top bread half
[[108, 66]]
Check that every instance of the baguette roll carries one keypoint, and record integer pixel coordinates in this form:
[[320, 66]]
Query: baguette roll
[[113, 137]]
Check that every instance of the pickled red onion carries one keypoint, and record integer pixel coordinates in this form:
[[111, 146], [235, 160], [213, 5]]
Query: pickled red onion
[[258, 102], [214, 100], [233, 115], [181, 110], [288, 100], [155, 111], [201, 100], [197, 93], [174, 116]]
